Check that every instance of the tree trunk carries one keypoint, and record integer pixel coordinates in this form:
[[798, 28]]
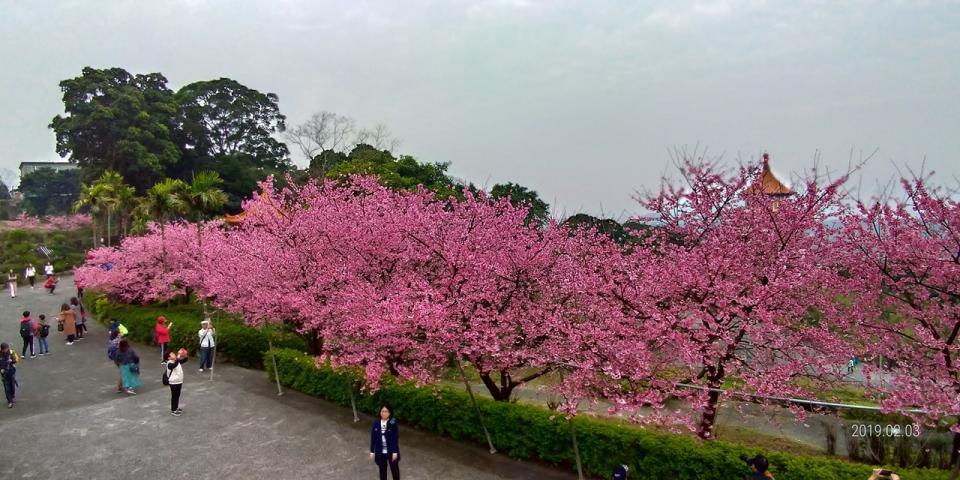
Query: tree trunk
[[955, 457], [709, 415], [163, 247], [502, 392], [314, 342], [93, 227], [206, 315], [109, 221]]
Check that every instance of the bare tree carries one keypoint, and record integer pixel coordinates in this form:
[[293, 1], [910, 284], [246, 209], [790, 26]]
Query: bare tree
[[330, 132], [322, 131]]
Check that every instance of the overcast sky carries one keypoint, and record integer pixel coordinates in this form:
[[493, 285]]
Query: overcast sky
[[578, 100]]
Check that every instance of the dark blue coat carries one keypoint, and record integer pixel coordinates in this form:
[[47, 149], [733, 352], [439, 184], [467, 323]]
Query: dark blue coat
[[393, 439]]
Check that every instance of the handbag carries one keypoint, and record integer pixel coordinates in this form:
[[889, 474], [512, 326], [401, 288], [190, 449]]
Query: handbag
[[135, 368], [60, 326], [166, 377]]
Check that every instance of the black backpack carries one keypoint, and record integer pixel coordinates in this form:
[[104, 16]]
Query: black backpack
[[25, 329], [44, 331]]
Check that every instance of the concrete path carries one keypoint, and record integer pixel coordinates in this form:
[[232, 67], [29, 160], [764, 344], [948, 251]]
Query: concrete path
[[69, 422]]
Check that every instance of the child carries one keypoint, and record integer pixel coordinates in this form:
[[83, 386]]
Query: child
[[43, 330], [50, 283]]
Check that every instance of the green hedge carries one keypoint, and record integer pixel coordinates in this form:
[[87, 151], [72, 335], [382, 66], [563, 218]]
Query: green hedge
[[531, 432], [240, 344]]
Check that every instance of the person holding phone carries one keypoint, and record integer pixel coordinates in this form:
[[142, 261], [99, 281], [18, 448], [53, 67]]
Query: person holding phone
[[385, 443], [174, 378], [760, 467], [162, 331], [883, 474]]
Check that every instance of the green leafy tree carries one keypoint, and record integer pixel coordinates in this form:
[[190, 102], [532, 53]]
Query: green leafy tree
[[404, 173], [228, 128], [605, 226], [539, 211], [47, 191], [118, 121], [160, 203]]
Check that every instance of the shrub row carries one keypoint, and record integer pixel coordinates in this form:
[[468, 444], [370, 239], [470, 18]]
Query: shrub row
[[532, 432], [238, 343]]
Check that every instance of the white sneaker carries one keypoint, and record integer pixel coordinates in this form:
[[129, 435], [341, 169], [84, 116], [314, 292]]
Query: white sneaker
[[201, 370], [69, 343]]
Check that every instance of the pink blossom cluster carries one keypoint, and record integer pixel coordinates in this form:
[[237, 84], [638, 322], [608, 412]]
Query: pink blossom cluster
[[772, 293], [63, 222]]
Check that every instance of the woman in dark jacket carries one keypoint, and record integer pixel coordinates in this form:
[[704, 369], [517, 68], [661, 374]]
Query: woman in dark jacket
[[385, 443]]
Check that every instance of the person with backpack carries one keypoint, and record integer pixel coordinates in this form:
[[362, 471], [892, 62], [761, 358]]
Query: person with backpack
[[173, 377], [8, 371], [162, 331], [26, 333], [43, 331], [113, 352], [129, 364], [67, 323]]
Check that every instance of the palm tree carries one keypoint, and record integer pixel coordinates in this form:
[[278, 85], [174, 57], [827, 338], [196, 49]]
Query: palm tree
[[127, 201], [113, 193], [200, 198], [90, 200], [161, 202]]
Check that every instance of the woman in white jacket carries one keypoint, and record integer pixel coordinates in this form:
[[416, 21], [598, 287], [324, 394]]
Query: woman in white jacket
[[175, 379]]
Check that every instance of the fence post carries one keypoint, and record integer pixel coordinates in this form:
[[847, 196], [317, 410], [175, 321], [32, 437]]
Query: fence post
[[476, 406], [353, 402], [576, 451], [276, 372]]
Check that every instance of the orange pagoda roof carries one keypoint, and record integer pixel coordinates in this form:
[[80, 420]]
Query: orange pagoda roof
[[234, 219], [768, 183]]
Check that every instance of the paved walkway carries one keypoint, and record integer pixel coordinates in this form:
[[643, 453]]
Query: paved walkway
[[69, 422]]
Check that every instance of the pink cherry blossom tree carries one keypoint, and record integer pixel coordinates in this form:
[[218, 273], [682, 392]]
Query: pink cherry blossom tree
[[906, 254], [733, 284]]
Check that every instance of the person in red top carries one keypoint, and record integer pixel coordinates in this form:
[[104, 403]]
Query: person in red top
[[163, 335]]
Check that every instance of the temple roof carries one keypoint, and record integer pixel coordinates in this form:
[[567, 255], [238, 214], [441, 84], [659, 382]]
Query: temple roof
[[769, 184]]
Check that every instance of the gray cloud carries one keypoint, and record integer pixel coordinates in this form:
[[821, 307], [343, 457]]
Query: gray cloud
[[579, 101]]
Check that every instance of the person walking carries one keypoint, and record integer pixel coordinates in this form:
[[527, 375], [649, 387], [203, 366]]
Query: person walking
[[129, 364], [26, 333], [8, 371], [43, 331], [78, 313], [67, 323], [48, 269], [163, 335], [207, 343], [12, 283], [385, 443], [31, 274], [174, 378]]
